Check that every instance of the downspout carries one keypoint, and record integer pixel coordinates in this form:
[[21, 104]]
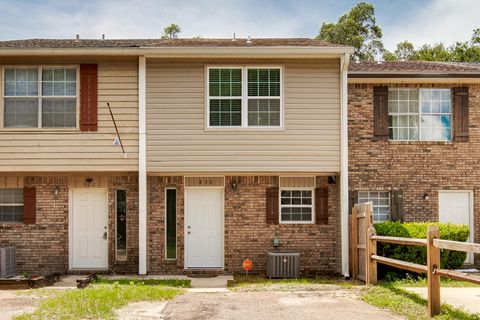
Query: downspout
[[142, 167], [344, 60]]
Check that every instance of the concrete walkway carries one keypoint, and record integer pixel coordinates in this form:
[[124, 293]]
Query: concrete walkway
[[467, 298]]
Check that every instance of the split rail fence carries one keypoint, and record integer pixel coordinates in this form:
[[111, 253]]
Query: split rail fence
[[364, 258]]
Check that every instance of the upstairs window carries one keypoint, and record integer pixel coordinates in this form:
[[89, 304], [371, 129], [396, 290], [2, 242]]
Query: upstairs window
[[242, 97], [420, 114], [44, 97], [225, 91]]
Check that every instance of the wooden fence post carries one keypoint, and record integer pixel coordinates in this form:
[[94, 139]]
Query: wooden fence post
[[371, 249], [433, 262], [354, 243]]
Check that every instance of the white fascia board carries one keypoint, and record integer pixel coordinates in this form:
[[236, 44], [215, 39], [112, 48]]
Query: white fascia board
[[300, 52]]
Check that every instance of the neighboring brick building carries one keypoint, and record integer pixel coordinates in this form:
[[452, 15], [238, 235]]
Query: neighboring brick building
[[390, 121]]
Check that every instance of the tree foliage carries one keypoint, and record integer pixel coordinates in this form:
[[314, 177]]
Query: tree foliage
[[171, 31], [468, 51], [357, 28]]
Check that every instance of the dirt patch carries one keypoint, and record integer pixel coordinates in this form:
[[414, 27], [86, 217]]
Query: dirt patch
[[338, 304], [142, 310], [13, 304], [326, 302]]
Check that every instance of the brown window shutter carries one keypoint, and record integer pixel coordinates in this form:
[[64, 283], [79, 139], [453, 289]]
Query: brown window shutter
[[272, 205], [88, 97], [396, 205], [321, 205], [352, 199], [29, 205], [460, 114], [380, 106]]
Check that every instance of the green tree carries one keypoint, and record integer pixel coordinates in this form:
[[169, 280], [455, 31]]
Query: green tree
[[357, 28], [476, 36], [171, 31], [465, 52], [436, 52], [405, 51], [389, 56], [468, 51]]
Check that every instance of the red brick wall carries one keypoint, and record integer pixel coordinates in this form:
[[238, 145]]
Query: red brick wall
[[415, 167], [42, 248], [157, 262], [247, 235], [130, 184]]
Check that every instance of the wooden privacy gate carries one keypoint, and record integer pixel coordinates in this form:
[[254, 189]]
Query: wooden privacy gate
[[359, 221]]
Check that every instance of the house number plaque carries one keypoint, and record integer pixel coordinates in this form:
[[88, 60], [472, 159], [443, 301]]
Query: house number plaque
[[204, 181]]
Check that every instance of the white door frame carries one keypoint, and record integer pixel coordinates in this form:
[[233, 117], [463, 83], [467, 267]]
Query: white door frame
[[185, 209], [471, 213], [70, 224]]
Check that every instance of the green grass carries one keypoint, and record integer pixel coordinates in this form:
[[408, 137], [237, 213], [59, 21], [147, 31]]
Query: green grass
[[241, 280], [422, 282], [97, 301], [410, 305], [180, 283]]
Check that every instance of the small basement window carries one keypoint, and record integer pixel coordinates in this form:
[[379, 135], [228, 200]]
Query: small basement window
[[11, 205], [121, 224], [296, 205]]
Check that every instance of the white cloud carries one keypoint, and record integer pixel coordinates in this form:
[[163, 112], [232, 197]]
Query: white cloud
[[438, 21], [147, 18]]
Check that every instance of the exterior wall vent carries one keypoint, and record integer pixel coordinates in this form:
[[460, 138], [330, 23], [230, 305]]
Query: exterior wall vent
[[283, 264], [7, 262]]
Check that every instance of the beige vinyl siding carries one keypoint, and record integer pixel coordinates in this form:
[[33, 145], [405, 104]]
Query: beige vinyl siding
[[178, 141], [71, 150]]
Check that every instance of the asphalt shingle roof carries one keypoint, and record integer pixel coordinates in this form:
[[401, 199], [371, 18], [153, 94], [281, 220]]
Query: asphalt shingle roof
[[413, 67], [151, 43]]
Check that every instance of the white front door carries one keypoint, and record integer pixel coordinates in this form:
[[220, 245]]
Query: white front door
[[455, 207], [204, 227], [89, 244]]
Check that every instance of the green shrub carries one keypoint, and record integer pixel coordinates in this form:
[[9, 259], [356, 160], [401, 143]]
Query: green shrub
[[417, 254]]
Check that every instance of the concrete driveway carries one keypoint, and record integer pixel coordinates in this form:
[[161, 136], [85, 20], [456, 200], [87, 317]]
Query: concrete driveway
[[334, 303], [13, 304], [466, 298]]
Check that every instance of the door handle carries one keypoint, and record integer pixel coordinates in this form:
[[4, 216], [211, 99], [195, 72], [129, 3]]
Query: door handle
[[188, 232], [105, 235]]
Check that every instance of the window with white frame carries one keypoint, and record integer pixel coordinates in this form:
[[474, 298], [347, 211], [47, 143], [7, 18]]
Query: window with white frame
[[244, 97], [42, 97], [381, 203], [11, 205], [296, 205], [420, 114]]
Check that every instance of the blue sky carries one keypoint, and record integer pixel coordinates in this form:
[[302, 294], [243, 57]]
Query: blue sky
[[420, 21]]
